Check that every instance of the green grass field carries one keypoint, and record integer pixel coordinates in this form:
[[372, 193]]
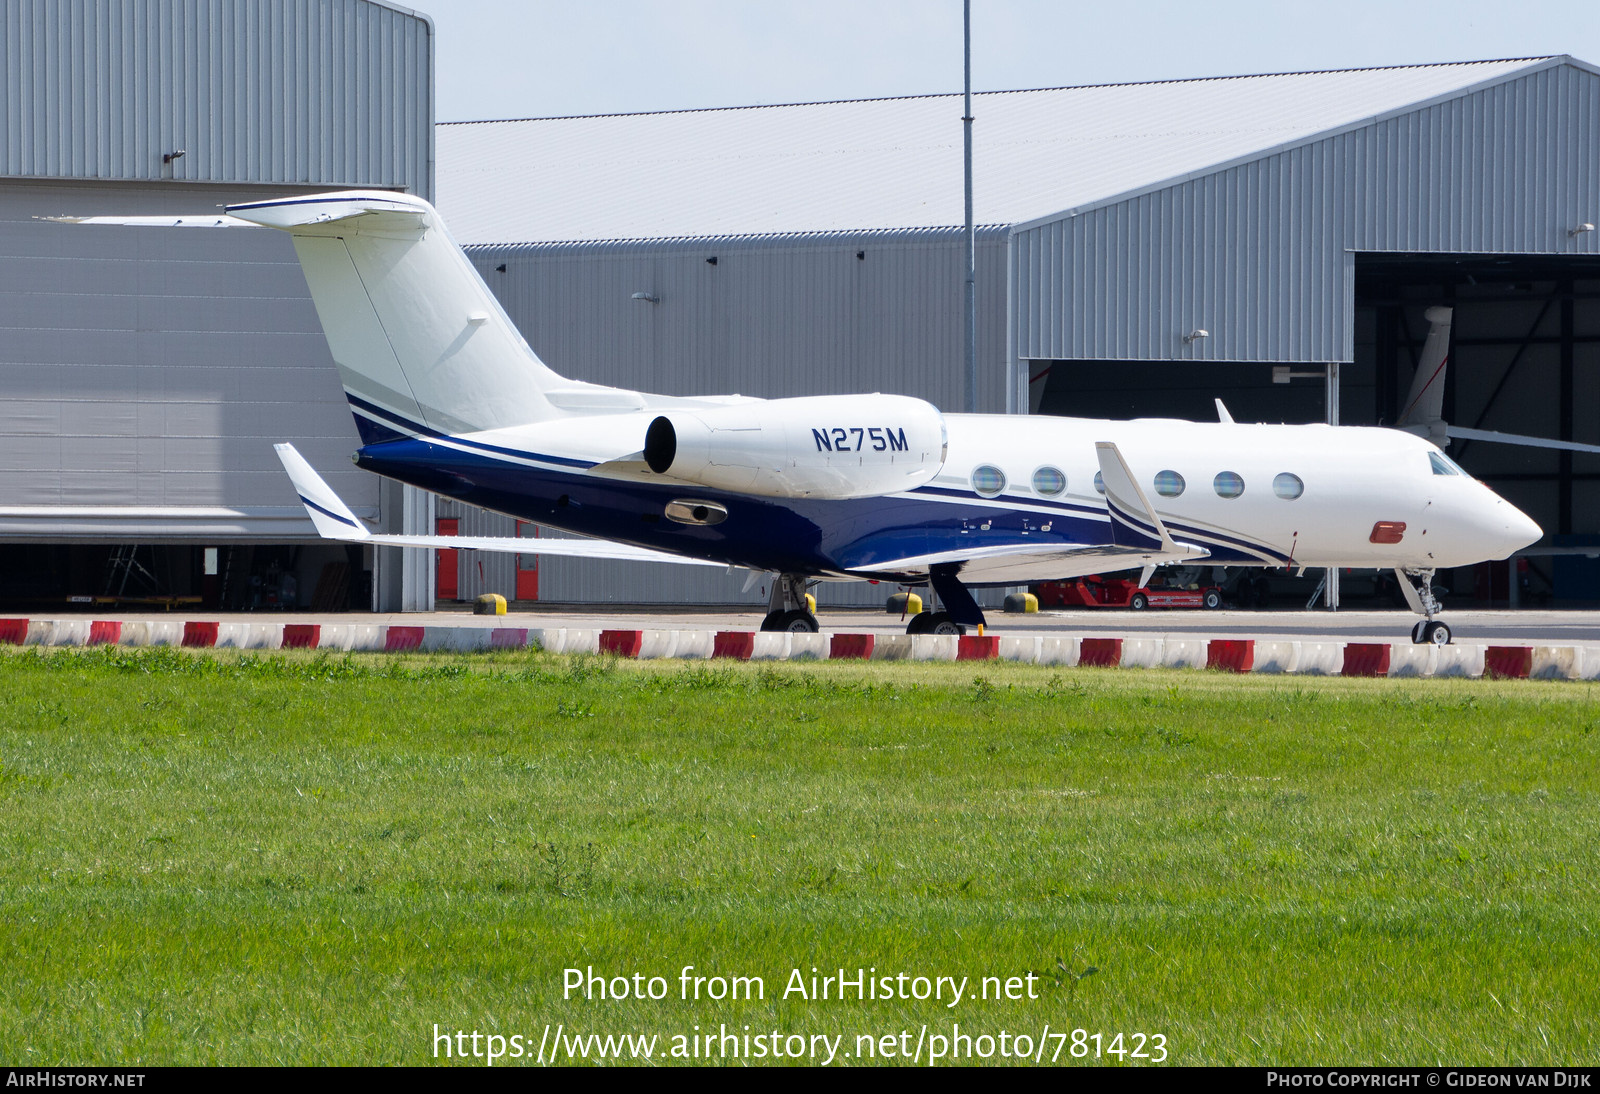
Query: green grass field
[[286, 859]]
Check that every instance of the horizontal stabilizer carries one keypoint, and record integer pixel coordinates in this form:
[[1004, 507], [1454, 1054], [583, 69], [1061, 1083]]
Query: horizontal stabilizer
[[334, 520], [188, 220]]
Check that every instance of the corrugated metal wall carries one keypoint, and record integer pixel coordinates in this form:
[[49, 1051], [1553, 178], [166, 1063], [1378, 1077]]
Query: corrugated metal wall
[[1260, 254], [319, 92], [148, 372], [775, 317]]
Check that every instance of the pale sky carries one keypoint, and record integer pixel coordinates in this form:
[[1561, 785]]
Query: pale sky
[[537, 58]]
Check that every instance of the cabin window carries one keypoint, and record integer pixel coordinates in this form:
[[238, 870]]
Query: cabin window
[[988, 480], [1442, 464], [1049, 481], [1288, 486], [1228, 484], [1169, 484], [1099, 483]]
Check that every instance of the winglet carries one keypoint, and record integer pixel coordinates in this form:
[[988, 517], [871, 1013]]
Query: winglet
[[1133, 519], [332, 517]]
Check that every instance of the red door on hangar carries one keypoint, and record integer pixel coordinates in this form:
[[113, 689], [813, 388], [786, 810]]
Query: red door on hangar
[[527, 565], [446, 584]]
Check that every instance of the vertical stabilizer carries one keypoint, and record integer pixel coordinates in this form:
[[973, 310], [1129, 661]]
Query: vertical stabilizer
[[1423, 411], [421, 343]]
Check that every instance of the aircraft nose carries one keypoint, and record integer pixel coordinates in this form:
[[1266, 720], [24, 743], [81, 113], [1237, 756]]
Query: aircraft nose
[[1509, 529]]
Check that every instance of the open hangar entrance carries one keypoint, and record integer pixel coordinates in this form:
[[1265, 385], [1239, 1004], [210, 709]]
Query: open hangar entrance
[[1524, 359]]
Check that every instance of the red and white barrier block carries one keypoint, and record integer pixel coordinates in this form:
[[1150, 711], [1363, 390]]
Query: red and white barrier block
[[1235, 655]]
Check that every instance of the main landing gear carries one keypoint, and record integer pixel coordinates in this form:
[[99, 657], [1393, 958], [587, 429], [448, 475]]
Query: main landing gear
[[934, 623], [960, 610], [787, 609], [1417, 586]]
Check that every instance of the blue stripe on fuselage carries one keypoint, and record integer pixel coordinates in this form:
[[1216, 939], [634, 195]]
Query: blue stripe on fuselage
[[393, 420], [777, 534]]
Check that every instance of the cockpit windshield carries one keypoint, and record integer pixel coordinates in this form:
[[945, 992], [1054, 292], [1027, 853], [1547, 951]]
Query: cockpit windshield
[[1443, 465]]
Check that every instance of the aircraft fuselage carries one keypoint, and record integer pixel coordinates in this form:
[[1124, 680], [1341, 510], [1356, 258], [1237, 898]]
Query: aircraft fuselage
[[1266, 495]]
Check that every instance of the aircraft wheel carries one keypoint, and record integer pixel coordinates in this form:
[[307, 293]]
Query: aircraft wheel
[[1419, 633], [1438, 633], [920, 623], [941, 623], [1212, 600], [798, 622], [1139, 602], [795, 622]]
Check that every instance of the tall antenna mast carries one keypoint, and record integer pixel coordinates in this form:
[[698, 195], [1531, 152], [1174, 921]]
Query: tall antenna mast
[[972, 236]]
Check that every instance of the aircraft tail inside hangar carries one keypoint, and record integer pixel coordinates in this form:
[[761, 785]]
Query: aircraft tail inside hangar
[[1326, 251]]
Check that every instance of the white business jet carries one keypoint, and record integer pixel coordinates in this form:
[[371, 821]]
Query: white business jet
[[448, 396]]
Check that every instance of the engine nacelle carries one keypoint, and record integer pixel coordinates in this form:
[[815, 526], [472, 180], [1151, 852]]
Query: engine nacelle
[[822, 446]]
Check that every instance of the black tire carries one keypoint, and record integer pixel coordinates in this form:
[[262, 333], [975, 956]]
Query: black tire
[[1138, 602], [919, 623], [1439, 633], [1212, 600], [1419, 633], [800, 622], [941, 623], [774, 621]]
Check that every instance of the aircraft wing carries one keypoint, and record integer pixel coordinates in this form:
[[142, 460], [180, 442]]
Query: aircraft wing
[[334, 520], [1024, 563], [1138, 538]]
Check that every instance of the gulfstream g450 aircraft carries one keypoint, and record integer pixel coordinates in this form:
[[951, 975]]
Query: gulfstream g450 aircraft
[[449, 397]]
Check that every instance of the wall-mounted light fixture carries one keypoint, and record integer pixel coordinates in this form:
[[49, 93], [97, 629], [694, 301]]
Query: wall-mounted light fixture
[[170, 156], [500, 268], [647, 297], [712, 261], [1195, 336], [1580, 229]]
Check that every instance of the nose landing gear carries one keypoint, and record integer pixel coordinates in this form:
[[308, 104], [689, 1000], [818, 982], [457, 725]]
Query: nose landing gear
[[1431, 632], [1417, 586]]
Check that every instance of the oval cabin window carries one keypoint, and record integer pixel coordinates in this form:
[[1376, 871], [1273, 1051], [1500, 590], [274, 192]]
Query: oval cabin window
[[1287, 486], [988, 480], [1049, 481], [1169, 484], [1228, 484]]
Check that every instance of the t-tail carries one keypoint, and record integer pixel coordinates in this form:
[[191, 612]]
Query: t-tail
[[422, 345], [1423, 413]]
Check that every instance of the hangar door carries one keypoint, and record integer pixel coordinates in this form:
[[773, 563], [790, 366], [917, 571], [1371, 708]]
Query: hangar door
[[148, 372]]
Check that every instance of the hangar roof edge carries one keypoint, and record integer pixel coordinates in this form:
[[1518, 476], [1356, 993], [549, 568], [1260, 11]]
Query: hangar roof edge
[[895, 164], [1538, 64]]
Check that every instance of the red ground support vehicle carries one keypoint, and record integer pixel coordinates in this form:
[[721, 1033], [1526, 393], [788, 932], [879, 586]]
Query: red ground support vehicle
[[1119, 592]]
